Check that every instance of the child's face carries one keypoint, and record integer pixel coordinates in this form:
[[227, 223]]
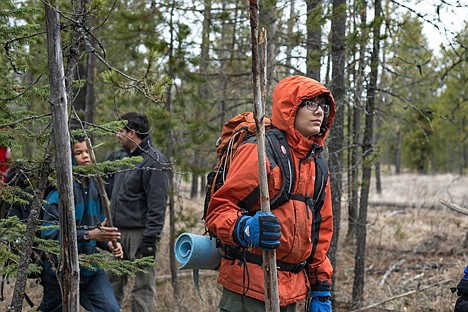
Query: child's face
[[81, 153]]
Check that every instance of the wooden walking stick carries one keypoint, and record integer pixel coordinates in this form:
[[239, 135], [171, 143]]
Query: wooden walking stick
[[102, 189], [259, 89]]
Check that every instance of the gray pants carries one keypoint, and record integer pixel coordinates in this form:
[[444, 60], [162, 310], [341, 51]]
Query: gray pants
[[144, 286], [234, 302]]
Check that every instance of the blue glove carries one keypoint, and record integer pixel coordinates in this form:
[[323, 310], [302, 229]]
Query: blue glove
[[263, 230], [320, 301]]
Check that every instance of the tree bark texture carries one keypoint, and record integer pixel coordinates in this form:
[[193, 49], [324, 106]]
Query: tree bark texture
[[68, 269], [74, 51], [338, 49], [90, 98], [356, 123], [258, 43], [170, 154], [203, 93], [359, 270], [267, 19], [314, 38]]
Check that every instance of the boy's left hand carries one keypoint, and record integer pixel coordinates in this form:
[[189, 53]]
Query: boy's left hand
[[117, 251]]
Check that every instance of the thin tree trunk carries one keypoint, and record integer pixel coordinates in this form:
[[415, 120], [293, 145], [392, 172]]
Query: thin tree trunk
[[398, 152], [230, 48], [355, 152], [74, 51], [314, 38], [23, 265], [290, 33], [259, 75], [359, 272], [464, 151], [267, 19], [203, 93], [378, 126], [68, 272], [195, 176], [354, 182], [90, 98], [170, 152], [338, 49]]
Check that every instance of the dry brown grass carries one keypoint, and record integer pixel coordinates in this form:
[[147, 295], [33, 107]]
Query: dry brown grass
[[413, 242]]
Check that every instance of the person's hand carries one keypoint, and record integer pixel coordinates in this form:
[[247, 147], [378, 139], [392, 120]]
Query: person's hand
[[263, 230], [104, 234], [117, 250], [320, 301], [147, 248]]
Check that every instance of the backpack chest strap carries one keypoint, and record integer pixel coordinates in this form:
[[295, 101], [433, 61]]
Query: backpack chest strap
[[310, 202]]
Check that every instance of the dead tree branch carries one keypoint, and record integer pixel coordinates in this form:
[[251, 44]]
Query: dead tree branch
[[455, 207], [403, 295]]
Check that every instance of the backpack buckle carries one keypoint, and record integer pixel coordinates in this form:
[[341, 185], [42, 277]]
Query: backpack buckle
[[298, 267]]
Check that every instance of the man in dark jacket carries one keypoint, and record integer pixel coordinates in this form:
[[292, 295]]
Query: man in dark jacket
[[138, 207]]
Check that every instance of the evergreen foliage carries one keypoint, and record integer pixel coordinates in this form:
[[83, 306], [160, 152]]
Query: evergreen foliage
[[189, 72]]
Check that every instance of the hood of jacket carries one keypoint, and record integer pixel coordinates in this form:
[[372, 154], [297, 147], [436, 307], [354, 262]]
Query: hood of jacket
[[287, 96]]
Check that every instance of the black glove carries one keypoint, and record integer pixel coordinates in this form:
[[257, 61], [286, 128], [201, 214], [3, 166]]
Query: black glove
[[147, 248]]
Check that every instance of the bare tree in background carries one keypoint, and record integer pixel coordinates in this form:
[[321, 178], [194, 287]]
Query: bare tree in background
[[338, 49], [314, 38], [267, 20], [359, 272], [355, 117]]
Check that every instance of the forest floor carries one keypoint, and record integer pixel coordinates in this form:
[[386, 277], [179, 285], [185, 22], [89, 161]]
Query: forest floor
[[415, 252]]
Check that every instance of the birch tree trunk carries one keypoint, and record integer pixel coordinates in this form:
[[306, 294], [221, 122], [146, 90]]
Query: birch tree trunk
[[68, 272], [359, 272]]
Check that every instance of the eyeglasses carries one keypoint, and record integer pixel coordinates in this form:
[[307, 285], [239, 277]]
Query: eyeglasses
[[313, 106]]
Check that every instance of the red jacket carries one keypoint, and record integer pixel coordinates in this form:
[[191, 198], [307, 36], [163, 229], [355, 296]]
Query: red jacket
[[4, 158], [296, 221]]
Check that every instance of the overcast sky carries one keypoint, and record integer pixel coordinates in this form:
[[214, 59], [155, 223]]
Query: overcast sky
[[452, 16]]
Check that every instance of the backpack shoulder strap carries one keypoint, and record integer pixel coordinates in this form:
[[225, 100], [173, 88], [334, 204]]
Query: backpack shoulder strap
[[321, 179], [278, 153]]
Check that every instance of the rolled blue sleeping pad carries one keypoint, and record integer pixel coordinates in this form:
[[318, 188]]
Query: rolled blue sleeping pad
[[195, 251]]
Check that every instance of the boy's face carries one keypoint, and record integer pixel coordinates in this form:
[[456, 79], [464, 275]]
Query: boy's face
[[81, 153], [308, 120]]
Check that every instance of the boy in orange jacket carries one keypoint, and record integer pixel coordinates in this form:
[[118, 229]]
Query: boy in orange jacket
[[299, 230]]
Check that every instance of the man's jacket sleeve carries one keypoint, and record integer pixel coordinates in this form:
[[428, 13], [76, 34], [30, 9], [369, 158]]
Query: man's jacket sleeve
[[156, 185]]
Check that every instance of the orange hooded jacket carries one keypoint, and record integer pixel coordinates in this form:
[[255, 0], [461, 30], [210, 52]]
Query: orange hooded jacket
[[295, 218]]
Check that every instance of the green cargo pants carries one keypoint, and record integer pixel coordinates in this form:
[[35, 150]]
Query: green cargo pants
[[234, 302]]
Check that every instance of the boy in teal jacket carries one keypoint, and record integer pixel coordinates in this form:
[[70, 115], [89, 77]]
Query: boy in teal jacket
[[96, 292]]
